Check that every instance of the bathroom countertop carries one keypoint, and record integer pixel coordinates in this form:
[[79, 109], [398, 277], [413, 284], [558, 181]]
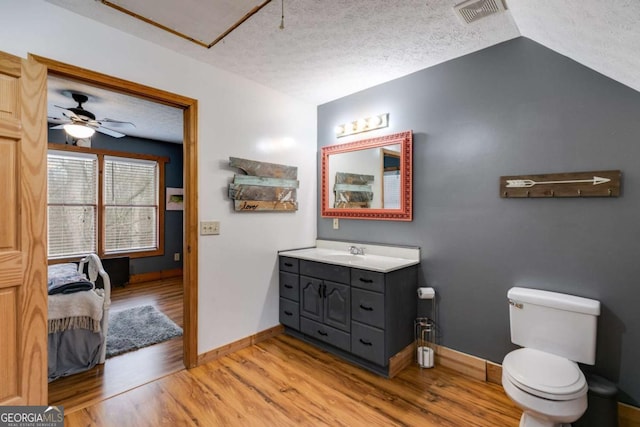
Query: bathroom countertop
[[376, 257]]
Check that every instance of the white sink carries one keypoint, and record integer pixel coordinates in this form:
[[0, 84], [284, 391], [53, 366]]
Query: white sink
[[349, 258], [369, 261]]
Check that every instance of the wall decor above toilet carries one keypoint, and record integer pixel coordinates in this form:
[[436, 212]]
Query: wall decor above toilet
[[263, 186], [571, 184]]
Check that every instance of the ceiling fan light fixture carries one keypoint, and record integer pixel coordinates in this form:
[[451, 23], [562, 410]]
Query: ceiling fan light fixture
[[79, 131]]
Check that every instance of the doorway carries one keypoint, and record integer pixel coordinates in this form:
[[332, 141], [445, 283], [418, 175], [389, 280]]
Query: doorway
[[190, 176]]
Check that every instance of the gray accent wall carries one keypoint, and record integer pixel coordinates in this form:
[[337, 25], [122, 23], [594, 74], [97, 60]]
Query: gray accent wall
[[173, 220], [513, 109]]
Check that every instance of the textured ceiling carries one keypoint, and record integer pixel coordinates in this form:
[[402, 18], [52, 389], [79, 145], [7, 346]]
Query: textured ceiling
[[152, 120], [332, 48]]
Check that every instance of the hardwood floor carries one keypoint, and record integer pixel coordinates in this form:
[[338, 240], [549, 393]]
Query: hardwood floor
[[285, 382], [129, 370]]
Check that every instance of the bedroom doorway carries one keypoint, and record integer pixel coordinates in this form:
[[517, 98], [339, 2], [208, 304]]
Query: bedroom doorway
[[188, 283]]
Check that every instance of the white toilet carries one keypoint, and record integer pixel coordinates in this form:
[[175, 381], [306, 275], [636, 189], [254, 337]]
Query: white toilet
[[543, 378]]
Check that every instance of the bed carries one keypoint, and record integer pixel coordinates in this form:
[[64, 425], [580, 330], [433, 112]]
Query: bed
[[79, 300]]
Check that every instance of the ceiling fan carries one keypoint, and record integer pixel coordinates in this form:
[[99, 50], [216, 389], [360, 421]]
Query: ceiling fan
[[81, 123]]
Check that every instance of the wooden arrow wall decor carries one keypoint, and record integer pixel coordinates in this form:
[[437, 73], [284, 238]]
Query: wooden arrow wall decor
[[573, 184]]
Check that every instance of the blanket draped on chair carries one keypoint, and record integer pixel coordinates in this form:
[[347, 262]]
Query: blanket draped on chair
[[80, 310]]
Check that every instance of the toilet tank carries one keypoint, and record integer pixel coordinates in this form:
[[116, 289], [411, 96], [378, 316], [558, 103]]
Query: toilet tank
[[560, 324]]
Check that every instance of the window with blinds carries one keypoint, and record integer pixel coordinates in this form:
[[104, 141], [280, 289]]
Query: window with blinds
[[72, 203], [130, 204]]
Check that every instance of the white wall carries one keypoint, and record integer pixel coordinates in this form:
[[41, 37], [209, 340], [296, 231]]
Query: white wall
[[238, 292]]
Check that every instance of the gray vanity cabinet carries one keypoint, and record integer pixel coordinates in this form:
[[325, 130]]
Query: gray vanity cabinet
[[363, 316]]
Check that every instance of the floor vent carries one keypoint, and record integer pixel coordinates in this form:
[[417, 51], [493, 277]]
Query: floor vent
[[474, 10]]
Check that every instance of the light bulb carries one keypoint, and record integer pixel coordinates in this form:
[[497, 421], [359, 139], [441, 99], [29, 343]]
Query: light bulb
[[79, 131], [374, 121]]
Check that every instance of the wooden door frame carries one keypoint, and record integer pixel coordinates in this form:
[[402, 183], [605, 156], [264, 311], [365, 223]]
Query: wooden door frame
[[190, 173]]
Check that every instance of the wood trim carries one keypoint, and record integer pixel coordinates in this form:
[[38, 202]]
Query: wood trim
[[191, 229], [463, 363], [190, 171], [628, 416], [101, 207], [494, 373], [401, 360], [104, 81], [182, 35], [102, 151], [240, 344], [155, 275]]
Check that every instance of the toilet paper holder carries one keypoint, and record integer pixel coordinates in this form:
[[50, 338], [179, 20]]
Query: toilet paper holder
[[425, 331], [424, 335]]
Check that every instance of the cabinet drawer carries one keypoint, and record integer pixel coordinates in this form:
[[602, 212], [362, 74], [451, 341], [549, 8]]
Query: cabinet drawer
[[289, 285], [325, 333], [368, 343], [369, 280], [367, 307], [335, 273], [288, 264], [290, 313]]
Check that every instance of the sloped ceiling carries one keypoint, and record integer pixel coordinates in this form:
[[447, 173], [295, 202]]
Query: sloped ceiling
[[332, 48]]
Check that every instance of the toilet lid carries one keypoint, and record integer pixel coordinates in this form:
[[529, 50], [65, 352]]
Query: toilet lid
[[544, 375]]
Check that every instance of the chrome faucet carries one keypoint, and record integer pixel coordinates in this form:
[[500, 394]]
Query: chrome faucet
[[354, 250]]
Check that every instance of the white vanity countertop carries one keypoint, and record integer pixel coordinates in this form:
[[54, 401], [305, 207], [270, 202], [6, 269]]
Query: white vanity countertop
[[376, 257]]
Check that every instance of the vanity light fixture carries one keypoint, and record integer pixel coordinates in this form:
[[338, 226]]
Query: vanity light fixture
[[363, 125], [79, 131]]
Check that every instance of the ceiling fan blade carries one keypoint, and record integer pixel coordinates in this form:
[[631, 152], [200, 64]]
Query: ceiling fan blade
[[57, 127], [71, 115], [110, 132], [58, 120], [116, 122]]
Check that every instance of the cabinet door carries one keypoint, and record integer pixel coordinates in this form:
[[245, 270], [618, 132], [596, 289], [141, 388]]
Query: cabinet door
[[337, 305], [311, 298]]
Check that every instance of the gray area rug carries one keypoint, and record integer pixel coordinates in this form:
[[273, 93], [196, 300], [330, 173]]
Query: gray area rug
[[138, 327]]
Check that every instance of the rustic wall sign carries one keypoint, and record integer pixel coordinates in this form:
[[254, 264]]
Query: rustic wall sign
[[574, 184], [353, 190], [265, 187]]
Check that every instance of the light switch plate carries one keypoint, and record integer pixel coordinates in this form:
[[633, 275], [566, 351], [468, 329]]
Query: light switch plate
[[336, 223], [209, 228]]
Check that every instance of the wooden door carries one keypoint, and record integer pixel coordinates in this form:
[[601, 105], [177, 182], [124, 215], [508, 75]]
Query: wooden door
[[23, 243]]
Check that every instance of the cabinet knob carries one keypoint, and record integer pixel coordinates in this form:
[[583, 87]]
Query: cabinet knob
[[288, 313], [366, 308], [323, 333], [363, 280], [365, 342], [288, 286]]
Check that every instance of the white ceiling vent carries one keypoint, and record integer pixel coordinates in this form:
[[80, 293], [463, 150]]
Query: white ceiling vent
[[473, 10]]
